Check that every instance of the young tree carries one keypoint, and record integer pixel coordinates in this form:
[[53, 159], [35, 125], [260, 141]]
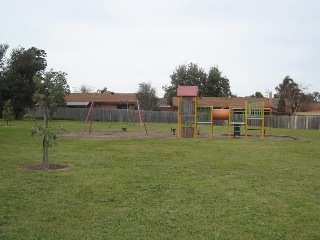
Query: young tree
[[51, 90], [146, 96], [7, 112]]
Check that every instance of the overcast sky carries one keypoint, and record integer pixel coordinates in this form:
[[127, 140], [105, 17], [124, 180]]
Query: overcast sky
[[121, 43]]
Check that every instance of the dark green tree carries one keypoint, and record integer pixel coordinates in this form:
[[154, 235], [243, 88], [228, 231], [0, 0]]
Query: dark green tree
[[7, 112], [216, 85], [3, 50], [17, 77], [281, 106], [212, 84], [3, 88], [257, 95], [184, 75], [146, 95], [51, 90]]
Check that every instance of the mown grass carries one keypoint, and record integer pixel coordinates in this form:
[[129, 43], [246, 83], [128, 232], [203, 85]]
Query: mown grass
[[157, 188]]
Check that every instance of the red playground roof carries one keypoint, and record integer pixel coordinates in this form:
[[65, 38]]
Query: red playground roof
[[187, 91]]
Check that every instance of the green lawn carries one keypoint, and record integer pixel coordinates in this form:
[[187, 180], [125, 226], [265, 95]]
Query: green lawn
[[158, 188]]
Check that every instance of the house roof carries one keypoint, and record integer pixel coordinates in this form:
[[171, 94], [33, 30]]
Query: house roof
[[89, 97], [216, 102], [223, 102], [162, 102], [314, 107]]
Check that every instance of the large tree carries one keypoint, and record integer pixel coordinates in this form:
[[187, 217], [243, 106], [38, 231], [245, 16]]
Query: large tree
[[316, 96], [51, 90], [16, 82], [3, 50], [184, 75], [293, 97], [216, 85], [212, 84], [3, 88], [146, 96]]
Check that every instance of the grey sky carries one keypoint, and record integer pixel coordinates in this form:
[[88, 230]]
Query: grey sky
[[119, 44]]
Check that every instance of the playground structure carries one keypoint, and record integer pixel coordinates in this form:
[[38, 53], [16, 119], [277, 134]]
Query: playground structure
[[90, 115], [240, 118], [191, 116]]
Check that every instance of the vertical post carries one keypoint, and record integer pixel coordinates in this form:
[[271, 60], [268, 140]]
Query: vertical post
[[179, 117], [262, 120], [142, 123], [246, 120], [195, 112], [229, 122], [91, 116], [211, 123], [89, 113]]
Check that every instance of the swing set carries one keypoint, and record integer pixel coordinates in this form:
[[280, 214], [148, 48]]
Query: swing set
[[90, 115]]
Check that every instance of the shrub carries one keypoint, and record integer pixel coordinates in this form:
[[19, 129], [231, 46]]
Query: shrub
[[27, 117]]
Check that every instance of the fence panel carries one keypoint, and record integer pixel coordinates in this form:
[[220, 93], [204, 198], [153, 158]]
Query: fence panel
[[124, 115]]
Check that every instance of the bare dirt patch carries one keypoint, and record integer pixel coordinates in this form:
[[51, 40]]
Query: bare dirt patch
[[41, 166], [123, 134], [119, 134]]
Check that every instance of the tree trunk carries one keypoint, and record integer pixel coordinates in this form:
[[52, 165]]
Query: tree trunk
[[46, 140]]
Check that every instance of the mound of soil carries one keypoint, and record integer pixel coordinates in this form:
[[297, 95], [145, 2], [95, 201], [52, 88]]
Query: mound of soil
[[41, 166]]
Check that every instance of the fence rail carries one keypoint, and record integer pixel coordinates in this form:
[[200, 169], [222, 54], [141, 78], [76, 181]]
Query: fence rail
[[126, 115]]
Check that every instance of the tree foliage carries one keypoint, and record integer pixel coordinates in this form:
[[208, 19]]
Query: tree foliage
[[257, 95], [51, 90], [215, 85], [7, 112], [3, 50], [102, 90], [146, 95], [292, 98], [85, 89], [17, 72], [316, 96], [212, 84]]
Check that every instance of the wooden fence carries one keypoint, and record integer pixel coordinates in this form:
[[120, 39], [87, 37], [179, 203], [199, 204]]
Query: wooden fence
[[124, 115]]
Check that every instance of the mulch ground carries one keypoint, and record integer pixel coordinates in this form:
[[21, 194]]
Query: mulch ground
[[121, 134], [41, 166]]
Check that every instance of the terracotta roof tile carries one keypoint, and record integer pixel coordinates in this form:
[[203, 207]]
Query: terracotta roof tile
[[89, 97]]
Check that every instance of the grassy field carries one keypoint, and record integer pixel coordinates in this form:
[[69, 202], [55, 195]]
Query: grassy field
[[160, 188]]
